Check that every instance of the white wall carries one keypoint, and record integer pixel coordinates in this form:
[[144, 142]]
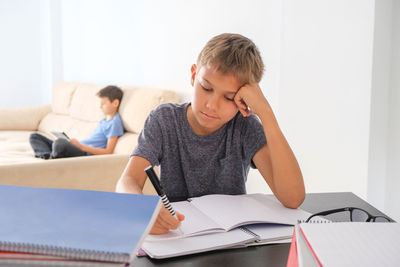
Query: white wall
[[325, 88], [154, 43], [392, 196], [30, 51], [378, 141], [20, 53], [51, 48]]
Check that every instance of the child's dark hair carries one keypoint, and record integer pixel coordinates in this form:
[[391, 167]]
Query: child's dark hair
[[111, 92]]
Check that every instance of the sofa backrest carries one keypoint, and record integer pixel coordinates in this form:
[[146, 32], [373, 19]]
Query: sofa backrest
[[76, 111]]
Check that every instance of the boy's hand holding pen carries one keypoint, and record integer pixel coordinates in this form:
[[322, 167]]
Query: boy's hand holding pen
[[167, 218]]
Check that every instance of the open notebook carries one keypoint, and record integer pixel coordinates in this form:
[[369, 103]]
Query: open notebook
[[224, 221], [345, 244], [73, 225]]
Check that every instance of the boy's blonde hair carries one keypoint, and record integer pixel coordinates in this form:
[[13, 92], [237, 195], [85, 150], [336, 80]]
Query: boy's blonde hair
[[234, 54]]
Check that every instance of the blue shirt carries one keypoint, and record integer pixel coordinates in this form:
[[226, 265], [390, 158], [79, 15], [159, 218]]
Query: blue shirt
[[104, 130]]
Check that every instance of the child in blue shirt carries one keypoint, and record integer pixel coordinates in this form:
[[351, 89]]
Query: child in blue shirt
[[208, 145], [102, 140]]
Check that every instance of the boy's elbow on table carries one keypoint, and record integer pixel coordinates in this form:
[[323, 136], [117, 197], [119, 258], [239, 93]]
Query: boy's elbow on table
[[294, 201]]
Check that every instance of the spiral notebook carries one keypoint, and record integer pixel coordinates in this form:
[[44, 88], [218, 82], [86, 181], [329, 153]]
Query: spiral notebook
[[225, 221], [75, 224], [235, 238], [345, 244], [221, 213]]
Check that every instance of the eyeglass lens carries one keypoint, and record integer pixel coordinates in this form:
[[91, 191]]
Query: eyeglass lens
[[341, 216], [358, 215], [381, 219]]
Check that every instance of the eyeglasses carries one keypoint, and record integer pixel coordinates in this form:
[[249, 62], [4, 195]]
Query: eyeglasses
[[356, 215]]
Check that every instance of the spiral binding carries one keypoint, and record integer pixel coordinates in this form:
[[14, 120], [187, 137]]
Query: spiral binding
[[78, 254], [314, 221], [248, 231]]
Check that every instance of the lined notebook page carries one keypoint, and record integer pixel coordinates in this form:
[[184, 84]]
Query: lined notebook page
[[354, 244], [305, 254]]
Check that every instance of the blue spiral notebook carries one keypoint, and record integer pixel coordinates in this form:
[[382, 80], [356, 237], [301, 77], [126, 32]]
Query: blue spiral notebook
[[75, 224]]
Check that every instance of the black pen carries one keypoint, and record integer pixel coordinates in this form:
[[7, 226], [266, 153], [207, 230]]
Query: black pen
[[156, 183]]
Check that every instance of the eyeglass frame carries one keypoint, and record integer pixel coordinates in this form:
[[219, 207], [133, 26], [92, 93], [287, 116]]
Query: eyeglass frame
[[371, 218]]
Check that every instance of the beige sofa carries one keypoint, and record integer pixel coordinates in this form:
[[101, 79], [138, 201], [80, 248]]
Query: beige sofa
[[74, 110]]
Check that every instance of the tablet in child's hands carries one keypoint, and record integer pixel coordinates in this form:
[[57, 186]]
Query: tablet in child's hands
[[60, 134]]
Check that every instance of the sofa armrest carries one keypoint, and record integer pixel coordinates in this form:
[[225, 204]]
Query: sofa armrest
[[27, 119], [99, 173]]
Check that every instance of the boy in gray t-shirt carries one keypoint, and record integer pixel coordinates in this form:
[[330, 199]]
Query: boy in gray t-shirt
[[207, 146]]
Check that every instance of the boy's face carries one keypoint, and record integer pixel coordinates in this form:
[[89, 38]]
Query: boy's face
[[213, 103], [108, 107]]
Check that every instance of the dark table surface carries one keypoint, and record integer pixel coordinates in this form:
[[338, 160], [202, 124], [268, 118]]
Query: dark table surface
[[266, 255]]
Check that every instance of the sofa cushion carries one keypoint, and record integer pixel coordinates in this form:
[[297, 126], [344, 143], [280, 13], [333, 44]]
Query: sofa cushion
[[22, 118], [126, 143], [137, 103], [15, 148], [85, 104], [62, 96]]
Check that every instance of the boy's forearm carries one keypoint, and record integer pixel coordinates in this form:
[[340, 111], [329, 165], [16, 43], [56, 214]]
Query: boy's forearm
[[128, 185], [286, 174], [95, 150], [133, 177]]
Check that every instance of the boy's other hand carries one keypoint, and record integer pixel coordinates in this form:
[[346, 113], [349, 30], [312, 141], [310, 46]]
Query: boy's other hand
[[165, 222], [250, 96]]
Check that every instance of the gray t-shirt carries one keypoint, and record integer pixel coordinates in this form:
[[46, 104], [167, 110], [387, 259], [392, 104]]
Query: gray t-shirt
[[192, 165]]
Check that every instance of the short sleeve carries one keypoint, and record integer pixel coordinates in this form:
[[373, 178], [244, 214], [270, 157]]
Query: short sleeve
[[253, 138], [149, 144], [116, 128]]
